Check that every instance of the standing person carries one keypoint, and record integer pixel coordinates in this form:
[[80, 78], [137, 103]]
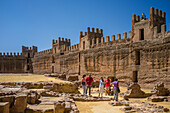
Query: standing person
[[84, 84], [101, 87], [89, 81], [107, 85], [116, 89]]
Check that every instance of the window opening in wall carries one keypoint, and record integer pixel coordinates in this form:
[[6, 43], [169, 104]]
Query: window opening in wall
[[52, 69], [28, 55], [61, 53], [91, 41], [28, 67], [135, 76], [53, 60], [83, 44], [141, 34], [137, 53]]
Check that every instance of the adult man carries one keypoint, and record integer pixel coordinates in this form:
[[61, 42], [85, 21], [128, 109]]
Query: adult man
[[107, 86], [89, 81]]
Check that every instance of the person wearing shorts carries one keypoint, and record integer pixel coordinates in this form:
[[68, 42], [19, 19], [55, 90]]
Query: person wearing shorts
[[107, 86]]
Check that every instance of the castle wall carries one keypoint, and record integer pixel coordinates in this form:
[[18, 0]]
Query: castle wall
[[42, 62], [12, 64]]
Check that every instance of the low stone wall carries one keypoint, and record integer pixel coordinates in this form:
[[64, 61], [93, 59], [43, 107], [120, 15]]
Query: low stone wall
[[17, 103], [58, 87]]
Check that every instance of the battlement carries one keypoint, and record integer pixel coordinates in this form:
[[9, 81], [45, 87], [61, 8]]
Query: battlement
[[93, 30], [157, 13], [11, 54], [44, 52], [61, 40], [72, 48], [25, 49], [112, 40]]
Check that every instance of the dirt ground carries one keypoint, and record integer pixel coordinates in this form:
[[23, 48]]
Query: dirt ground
[[84, 107], [27, 78]]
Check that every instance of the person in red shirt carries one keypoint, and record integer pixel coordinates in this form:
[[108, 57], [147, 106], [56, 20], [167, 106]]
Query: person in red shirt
[[89, 81], [107, 85], [84, 84]]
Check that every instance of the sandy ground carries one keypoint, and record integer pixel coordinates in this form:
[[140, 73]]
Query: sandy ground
[[18, 78], [97, 107]]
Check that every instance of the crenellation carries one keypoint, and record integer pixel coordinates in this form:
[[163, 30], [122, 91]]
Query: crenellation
[[92, 30], [88, 30], [85, 33], [10, 53], [56, 41], [107, 38], [163, 15], [7, 53], [118, 36], [0, 54], [137, 18], [59, 39], [156, 12], [53, 41], [124, 35], [101, 31], [160, 13], [81, 34], [97, 30], [113, 37], [151, 11], [102, 40], [130, 34], [63, 39]]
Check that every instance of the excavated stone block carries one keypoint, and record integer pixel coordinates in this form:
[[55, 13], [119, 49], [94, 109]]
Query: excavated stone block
[[4, 107]]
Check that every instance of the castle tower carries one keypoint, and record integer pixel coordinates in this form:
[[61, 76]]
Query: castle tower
[[60, 45], [143, 28], [90, 38]]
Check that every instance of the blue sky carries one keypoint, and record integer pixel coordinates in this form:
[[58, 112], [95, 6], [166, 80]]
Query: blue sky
[[37, 22]]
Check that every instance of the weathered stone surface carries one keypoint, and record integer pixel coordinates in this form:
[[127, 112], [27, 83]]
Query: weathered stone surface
[[20, 104], [156, 98], [65, 88], [4, 107], [160, 90], [135, 91], [62, 76], [32, 97], [72, 77], [59, 107]]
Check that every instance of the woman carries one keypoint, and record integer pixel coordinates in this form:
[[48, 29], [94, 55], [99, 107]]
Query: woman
[[101, 87], [84, 84], [116, 89]]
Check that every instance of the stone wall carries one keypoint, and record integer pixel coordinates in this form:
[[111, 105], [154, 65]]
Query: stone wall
[[12, 64]]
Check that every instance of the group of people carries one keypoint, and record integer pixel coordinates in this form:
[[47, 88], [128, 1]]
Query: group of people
[[103, 84]]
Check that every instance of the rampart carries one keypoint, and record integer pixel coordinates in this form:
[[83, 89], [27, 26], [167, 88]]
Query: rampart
[[17, 62], [141, 55]]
